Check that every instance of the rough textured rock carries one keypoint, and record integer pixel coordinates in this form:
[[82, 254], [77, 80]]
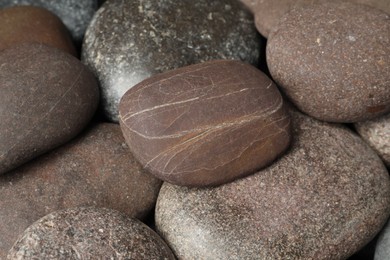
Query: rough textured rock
[[382, 250], [75, 14], [33, 24], [128, 41], [89, 233], [269, 12], [97, 169], [47, 98], [205, 124], [324, 199], [377, 133], [332, 60]]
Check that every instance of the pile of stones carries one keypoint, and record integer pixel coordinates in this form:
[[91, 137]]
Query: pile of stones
[[175, 130]]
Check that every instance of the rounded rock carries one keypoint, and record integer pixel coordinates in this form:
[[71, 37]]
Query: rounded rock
[[325, 198], [331, 60], [89, 233], [129, 41], [174, 121]]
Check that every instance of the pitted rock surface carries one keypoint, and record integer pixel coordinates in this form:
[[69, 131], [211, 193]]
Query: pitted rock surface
[[89, 233], [129, 41], [47, 98], [205, 124], [332, 60], [324, 199]]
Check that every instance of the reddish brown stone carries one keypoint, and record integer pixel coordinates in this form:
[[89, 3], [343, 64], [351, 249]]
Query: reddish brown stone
[[205, 124], [22, 24], [97, 169]]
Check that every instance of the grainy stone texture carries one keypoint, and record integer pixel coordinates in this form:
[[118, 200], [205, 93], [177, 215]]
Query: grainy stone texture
[[382, 250], [89, 233], [205, 124], [324, 199], [128, 41], [75, 14], [377, 133], [97, 169], [33, 24], [47, 98], [332, 60], [269, 12]]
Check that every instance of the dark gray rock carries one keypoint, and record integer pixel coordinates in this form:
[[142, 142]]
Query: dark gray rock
[[89, 233], [382, 250], [128, 41]]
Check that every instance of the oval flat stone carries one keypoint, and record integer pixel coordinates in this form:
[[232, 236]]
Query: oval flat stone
[[324, 199], [47, 98], [96, 169], [382, 250], [333, 67], [33, 24], [205, 124], [89, 233], [128, 41], [75, 14]]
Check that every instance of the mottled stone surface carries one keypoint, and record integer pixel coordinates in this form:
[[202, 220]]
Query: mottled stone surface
[[128, 41], [269, 12], [47, 98], [377, 133], [205, 124], [97, 169], [332, 60], [33, 24], [75, 14], [89, 233], [382, 250], [324, 199]]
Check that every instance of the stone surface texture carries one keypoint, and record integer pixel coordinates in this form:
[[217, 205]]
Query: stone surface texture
[[97, 169], [377, 133], [325, 199], [128, 41], [382, 250], [332, 60], [89, 233], [33, 24], [75, 14], [205, 124]]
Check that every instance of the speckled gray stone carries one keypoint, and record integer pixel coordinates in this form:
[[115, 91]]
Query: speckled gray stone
[[75, 14], [377, 133], [89, 233], [324, 199], [332, 60], [382, 250], [128, 41]]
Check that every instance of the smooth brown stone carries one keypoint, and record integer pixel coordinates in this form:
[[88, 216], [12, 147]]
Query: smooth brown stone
[[47, 98], [324, 199], [332, 60], [205, 124], [97, 169], [89, 233], [21, 24]]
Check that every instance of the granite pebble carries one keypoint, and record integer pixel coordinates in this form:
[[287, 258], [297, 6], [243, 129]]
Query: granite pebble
[[96, 169], [326, 198], [129, 41], [89, 233], [332, 60]]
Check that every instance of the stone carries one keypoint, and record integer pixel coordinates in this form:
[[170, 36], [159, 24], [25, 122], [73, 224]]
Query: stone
[[205, 124], [96, 169], [22, 24], [324, 199], [377, 133], [47, 98], [268, 13], [75, 14], [382, 250], [89, 233], [129, 41], [331, 60]]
